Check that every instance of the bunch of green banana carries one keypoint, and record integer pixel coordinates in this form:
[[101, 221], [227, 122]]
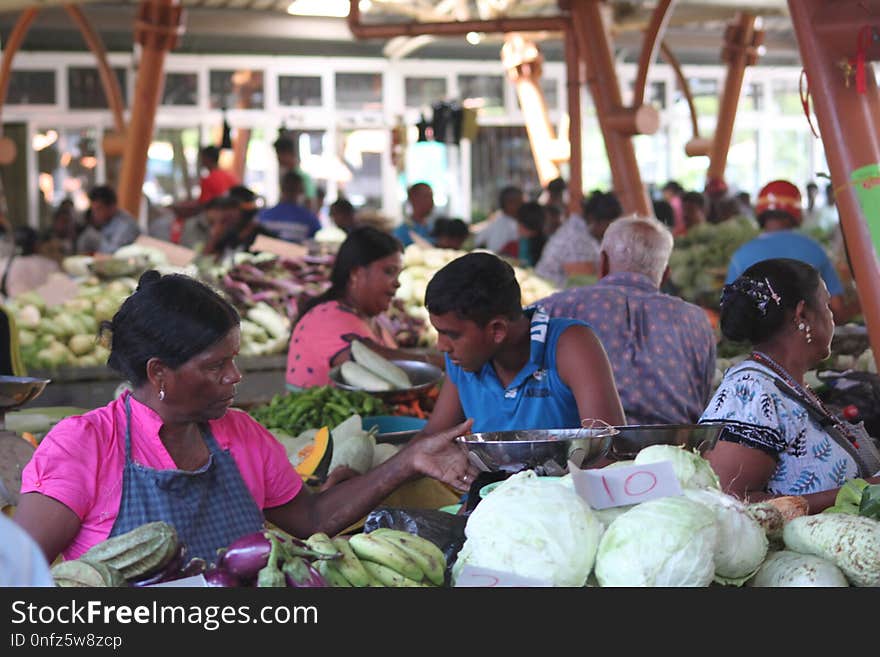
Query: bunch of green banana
[[385, 557]]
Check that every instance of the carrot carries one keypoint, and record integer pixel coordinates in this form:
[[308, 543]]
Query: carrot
[[30, 438]]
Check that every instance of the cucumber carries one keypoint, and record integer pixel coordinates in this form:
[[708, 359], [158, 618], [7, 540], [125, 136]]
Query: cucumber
[[360, 377], [379, 365]]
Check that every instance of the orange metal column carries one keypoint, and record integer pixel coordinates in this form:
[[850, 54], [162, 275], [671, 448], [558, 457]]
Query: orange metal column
[[850, 133], [595, 47], [156, 30], [740, 50], [575, 159], [523, 62]]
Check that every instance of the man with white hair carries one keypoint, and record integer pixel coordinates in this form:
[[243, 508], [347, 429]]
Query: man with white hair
[[661, 348]]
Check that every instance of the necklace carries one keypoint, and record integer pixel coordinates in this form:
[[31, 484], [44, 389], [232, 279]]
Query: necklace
[[804, 391]]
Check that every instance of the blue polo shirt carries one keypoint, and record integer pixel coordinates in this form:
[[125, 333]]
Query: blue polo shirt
[[785, 244], [535, 399], [401, 232]]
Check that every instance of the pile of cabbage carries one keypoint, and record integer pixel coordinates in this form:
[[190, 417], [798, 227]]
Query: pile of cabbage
[[540, 528]]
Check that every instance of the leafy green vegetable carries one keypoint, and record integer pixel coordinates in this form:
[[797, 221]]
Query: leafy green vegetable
[[870, 502], [849, 497], [294, 412]]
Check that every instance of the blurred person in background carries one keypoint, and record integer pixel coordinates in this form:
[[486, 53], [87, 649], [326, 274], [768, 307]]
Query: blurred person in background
[[574, 248], [495, 233], [694, 209], [25, 269], [287, 152], [557, 195], [216, 181], [22, 562], [530, 242], [450, 233], [780, 214], [342, 213], [664, 214], [661, 348], [812, 212], [113, 226], [420, 220], [552, 219], [288, 219], [672, 194]]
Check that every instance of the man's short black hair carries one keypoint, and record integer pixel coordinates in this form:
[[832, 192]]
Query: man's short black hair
[[211, 153], [285, 144], [343, 205], [557, 186], [507, 193], [103, 194], [477, 287]]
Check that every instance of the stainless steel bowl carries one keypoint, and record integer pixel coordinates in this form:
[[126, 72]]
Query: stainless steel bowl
[[546, 451], [17, 391], [631, 439], [423, 375]]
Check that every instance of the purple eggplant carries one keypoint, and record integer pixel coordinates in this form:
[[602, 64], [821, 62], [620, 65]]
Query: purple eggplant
[[168, 572], [215, 576], [246, 556], [300, 574]]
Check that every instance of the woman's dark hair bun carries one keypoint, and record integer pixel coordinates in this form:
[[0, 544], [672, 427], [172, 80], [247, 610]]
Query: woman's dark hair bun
[[148, 278]]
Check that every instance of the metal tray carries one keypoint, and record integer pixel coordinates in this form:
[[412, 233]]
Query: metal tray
[[546, 451], [423, 375]]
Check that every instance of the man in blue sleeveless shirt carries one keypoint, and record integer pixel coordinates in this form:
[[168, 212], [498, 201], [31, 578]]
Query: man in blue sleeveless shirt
[[509, 368]]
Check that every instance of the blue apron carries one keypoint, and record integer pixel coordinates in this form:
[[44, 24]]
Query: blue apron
[[209, 507]]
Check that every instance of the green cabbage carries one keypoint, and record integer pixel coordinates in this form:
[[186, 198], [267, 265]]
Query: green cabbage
[[536, 527], [692, 470], [742, 542], [669, 541]]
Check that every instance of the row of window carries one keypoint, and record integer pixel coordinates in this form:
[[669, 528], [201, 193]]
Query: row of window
[[245, 89]]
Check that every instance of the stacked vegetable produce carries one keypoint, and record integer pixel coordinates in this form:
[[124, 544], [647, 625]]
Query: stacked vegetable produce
[[700, 258], [696, 539]]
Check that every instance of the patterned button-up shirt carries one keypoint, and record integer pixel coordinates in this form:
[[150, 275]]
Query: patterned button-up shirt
[[661, 348], [572, 242]]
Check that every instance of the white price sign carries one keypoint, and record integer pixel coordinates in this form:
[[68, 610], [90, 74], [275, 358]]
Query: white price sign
[[474, 577], [625, 485]]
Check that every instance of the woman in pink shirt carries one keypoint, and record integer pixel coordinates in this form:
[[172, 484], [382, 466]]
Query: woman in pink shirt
[[173, 450], [363, 283]]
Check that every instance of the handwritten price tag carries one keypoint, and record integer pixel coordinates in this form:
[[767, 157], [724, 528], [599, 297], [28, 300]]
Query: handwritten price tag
[[473, 577], [625, 485]]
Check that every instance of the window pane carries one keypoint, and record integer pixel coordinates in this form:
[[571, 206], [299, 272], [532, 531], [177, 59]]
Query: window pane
[[31, 88], [752, 98], [485, 92], [786, 97], [421, 92], [298, 91], [172, 166], [241, 89], [705, 93], [500, 156], [359, 91], [656, 94], [181, 89], [85, 91], [361, 153]]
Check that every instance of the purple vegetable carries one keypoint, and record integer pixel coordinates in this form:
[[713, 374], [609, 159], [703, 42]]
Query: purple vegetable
[[218, 577], [246, 556], [300, 574], [171, 570]]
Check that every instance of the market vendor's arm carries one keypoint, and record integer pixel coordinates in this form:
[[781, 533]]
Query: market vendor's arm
[[332, 510], [583, 366], [52, 525], [744, 472]]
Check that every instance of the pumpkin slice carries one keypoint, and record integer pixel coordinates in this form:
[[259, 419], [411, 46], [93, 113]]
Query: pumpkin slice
[[312, 461]]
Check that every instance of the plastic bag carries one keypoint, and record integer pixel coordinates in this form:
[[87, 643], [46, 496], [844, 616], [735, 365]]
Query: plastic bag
[[444, 530], [854, 396]]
